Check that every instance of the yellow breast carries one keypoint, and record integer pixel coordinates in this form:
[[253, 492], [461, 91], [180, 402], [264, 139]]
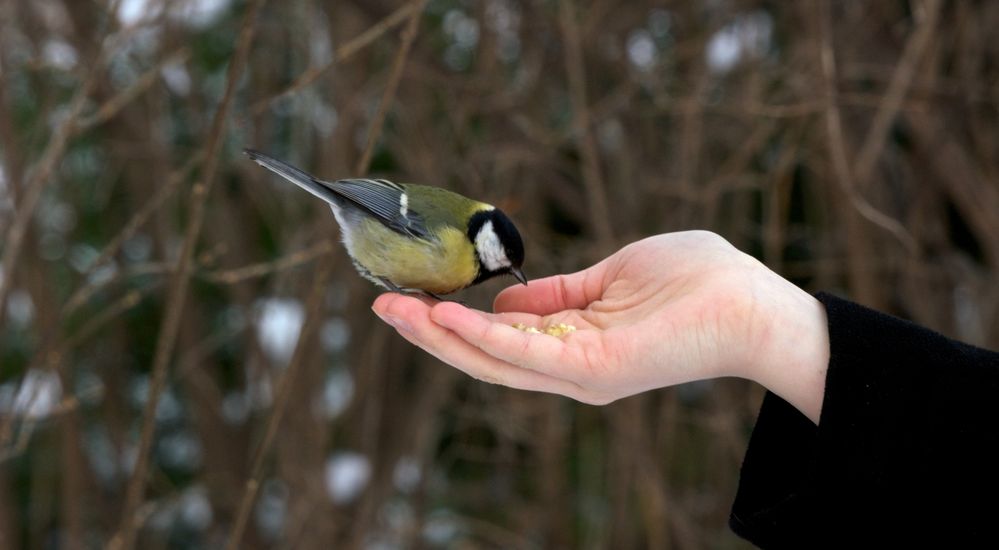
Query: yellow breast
[[439, 267]]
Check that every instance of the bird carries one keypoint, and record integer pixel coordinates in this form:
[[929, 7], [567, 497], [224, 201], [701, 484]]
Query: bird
[[414, 239]]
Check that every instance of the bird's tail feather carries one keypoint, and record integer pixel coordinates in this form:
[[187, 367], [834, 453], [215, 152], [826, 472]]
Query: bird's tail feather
[[294, 175]]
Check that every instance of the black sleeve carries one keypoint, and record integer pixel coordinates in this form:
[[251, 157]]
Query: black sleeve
[[907, 446]]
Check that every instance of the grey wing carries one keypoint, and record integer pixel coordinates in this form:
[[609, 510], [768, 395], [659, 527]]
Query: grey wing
[[386, 201]]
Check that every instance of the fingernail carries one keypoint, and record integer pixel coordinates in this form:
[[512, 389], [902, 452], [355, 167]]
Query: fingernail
[[395, 322], [401, 325]]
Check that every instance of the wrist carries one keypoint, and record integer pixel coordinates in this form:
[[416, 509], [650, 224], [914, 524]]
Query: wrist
[[794, 352]]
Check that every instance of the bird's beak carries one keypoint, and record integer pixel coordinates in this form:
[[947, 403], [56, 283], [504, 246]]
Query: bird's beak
[[516, 272]]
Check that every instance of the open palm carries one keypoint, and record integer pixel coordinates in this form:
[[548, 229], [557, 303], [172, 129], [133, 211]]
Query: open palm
[[662, 311]]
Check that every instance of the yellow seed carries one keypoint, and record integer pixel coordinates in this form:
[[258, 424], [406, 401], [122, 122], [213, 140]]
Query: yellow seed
[[559, 330]]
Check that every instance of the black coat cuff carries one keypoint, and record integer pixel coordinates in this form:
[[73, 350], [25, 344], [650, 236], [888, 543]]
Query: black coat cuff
[[907, 443]]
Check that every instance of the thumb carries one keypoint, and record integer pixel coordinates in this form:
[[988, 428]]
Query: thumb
[[554, 294]]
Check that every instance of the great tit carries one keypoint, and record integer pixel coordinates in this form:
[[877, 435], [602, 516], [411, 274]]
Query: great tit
[[414, 238]]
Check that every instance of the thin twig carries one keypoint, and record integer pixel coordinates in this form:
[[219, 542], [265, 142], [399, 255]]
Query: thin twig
[[39, 178], [312, 317], [177, 296], [54, 359], [894, 96], [232, 276], [837, 143], [138, 220], [112, 106], [65, 406], [23, 437], [738, 162], [408, 35], [100, 320], [225, 277], [342, 54], [309, 328], [592, 178]]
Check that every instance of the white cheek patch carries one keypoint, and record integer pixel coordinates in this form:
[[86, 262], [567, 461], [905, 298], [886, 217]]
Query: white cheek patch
[[404, 205], [490, 249]]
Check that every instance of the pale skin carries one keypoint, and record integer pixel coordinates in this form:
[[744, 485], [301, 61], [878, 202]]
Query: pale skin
[[662, 311]]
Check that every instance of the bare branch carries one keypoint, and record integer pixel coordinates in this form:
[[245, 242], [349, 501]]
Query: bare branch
[[177, 296], [901, 79], [233, 276], [343, 53], [112, 106], [83, 293], [592, 178], [313, 316], [408, 35], [837, 144], [39, 179]]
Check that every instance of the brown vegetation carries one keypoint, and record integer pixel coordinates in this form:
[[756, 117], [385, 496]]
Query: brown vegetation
[[187, 358]]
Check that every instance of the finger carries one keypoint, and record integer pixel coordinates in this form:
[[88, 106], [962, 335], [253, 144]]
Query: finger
[[384, 301], [538, 352], [388, 297], [553, 294], [411, 317], [388, 305]]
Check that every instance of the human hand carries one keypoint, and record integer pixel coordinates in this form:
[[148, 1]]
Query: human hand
[[662, 311]]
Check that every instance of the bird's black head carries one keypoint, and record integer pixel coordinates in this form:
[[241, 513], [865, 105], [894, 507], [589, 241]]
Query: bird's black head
[[497, 244]]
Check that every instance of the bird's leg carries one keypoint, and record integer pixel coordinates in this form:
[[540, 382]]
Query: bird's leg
[[410, 291], [442, 299], [389, 285]]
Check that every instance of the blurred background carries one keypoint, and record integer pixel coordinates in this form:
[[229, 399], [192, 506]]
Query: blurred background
[[188, 359]]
